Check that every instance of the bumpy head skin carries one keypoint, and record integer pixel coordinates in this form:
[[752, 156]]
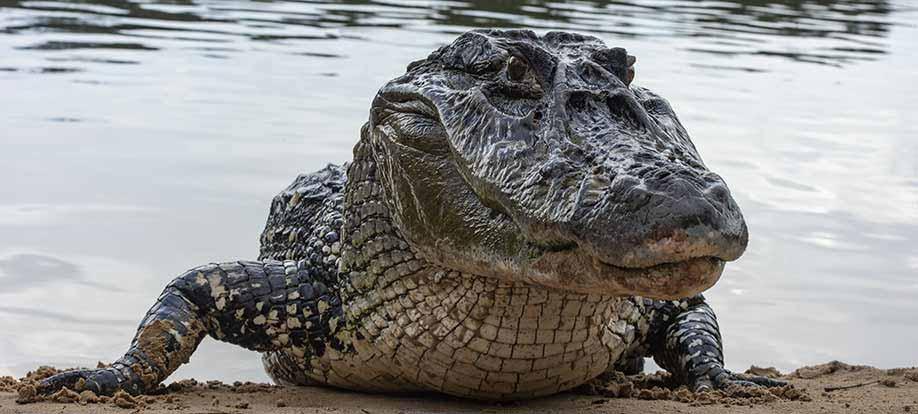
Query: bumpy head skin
[[534, 159]]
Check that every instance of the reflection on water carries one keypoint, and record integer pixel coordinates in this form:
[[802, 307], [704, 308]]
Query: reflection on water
[[142, 138], [22, 271], [832, 33]]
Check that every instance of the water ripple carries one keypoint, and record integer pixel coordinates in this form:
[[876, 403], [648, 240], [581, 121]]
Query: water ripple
[[808, 31]]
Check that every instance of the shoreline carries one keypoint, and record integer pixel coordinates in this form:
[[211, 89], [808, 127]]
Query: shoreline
[[831, 387]]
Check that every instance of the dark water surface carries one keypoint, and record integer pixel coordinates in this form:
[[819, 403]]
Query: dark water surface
[[142, 138]]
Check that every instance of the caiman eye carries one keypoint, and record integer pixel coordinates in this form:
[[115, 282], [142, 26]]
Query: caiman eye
[[517, 69]]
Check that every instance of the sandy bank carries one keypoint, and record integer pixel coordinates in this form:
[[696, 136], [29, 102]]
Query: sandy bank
[[852, 389]]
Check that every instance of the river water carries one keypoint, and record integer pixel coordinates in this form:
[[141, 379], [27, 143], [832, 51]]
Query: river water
[[139, 138]]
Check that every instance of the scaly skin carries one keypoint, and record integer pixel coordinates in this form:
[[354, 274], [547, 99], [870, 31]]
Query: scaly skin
[[472, 247]]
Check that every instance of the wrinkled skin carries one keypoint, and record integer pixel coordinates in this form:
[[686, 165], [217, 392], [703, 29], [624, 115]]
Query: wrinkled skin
[[518, 218], [565, 175]]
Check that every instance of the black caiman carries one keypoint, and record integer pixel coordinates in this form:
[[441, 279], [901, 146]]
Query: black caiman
[[518, 218]]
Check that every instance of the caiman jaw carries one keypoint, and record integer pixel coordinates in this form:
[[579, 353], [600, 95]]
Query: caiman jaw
[[575, 271]]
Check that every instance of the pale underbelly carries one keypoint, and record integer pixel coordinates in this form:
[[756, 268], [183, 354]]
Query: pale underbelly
[[474, 359]]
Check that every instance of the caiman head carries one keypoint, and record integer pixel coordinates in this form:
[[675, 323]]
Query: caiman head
[[535, 160]]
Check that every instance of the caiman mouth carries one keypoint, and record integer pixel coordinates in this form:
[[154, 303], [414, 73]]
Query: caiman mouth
[[574, 270], [659, 266], [540, 248]]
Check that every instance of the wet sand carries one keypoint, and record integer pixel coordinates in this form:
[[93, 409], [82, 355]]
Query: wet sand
[[851, 389]]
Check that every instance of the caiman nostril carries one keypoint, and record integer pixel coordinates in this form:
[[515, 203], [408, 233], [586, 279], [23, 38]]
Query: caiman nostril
[[719, 195], [719, 192]]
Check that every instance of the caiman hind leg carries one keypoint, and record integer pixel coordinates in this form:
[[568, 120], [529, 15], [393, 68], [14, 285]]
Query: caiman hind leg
[[262, 306], [685, 340]]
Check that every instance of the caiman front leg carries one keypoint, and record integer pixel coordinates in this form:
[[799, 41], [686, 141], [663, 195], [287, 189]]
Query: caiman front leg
[[262, 306], [685, 340]]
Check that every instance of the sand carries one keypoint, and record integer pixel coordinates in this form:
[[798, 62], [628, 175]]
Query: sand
[[851, 389]]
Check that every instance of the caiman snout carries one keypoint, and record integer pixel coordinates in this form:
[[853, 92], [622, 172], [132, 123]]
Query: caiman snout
[[666, 221], [666, 235], [646, 199]]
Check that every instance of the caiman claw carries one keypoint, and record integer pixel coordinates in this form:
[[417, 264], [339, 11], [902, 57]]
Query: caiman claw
[[106, 381], [718, 378]]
